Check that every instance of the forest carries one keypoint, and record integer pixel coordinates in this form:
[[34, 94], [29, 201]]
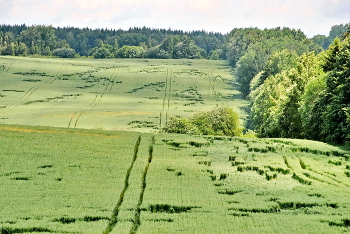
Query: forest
[[298, 86]]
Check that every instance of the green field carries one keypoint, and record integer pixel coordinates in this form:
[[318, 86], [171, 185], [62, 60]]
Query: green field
[[71, 175], [115, 94]]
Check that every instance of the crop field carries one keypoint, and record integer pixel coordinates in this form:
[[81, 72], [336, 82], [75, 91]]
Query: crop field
[[81, 152], [115, 94], [60, 180]]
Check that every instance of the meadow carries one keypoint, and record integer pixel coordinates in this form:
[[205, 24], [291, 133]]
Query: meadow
[[79, 173]]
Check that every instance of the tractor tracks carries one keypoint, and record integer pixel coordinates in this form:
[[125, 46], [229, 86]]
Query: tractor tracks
[[34, 88], [126, 214], [211, 86], [163, 116], [108, 88], [73, 122]]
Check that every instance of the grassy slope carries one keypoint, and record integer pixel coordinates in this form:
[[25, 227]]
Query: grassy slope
[[115, 94], [70, 180]]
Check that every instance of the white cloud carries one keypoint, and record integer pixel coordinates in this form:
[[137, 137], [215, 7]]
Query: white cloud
[[211, 15]]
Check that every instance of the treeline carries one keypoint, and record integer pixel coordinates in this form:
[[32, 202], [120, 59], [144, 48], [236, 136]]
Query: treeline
[[21, 40], [304, 95]]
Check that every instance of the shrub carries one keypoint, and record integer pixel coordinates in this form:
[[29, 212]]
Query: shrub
[[64, 53], [222, 121], [176, 124]]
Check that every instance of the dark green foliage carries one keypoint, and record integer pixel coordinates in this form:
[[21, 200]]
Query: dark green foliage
[[301, 180], [236, 163], [200, 153], [279, 170], [232, 158], [65, 220], [20, 178], [240, 214], [163, 220], [229, 192], [337, 163], [343, 223], [196, 144], [207, 163], [302, 164], [257, 210], [174, 143], [270, 177], [336, 127], [223, 176], [261, 150], [8, 230], [94, 218], [169, 208], [295, 205]]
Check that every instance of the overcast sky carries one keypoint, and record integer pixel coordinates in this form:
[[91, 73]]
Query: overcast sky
[[312, 17]]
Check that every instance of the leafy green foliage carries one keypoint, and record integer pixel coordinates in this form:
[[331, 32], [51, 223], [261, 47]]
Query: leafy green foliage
[[257, 56], [221, 121], [130, 52], [64, 53], [276, 103], [180, 125]]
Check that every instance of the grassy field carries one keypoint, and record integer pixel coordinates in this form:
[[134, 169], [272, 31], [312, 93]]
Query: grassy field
[[115, 94], [60, 180], [71, 175]]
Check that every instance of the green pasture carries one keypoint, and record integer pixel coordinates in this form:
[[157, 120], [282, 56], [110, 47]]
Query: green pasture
[[60, 180], [111, 94]]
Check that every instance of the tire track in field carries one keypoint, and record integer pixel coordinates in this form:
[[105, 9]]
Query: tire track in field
[[33, 89], [211, 87], [166, 99], [9, 66], [76, 116], [108, 88], [300, 170], [137, 216], [114, 218]]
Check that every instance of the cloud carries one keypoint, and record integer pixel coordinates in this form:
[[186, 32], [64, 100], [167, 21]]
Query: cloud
[[5, 6], [339, 9]]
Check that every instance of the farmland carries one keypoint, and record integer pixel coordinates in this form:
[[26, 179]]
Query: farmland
[[59, 180], [116, 94], [81, 152]]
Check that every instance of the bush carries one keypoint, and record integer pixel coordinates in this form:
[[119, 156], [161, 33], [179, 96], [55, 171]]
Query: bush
[[101, 53], [64, 53], [222, 121], [176, 124]]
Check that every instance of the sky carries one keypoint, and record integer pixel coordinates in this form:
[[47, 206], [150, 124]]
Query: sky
[[312, 17]]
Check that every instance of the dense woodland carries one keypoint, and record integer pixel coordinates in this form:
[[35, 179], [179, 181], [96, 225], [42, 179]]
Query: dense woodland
[[299, 87]]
